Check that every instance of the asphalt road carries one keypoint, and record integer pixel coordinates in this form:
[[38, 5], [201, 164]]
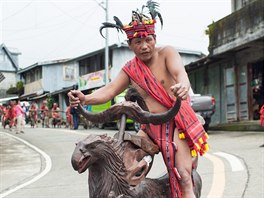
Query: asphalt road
[[37, 164]]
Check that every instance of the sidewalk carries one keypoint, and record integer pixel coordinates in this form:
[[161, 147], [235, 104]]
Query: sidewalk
[[238, 126], [18, 162]]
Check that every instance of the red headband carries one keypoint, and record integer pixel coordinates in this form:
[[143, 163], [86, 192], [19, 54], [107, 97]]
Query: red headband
[[139, 30]]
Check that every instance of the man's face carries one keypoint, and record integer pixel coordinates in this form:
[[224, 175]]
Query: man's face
[[143, 47]]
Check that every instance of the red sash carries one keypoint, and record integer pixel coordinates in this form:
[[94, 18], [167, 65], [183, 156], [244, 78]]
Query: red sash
[[186, 121]]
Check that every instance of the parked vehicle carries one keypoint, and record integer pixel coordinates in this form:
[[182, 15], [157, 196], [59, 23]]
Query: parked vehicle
[[203, 105], [119, 98]]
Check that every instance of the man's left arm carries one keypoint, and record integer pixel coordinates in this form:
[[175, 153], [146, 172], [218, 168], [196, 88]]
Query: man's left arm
[[176, 69]]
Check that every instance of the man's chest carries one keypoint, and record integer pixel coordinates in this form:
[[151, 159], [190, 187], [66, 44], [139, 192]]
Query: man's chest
[[162, 76]]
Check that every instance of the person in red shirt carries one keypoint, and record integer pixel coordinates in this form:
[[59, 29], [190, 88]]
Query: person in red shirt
[[44, 114], [6, 115], [56, 117], [69, 117], [261, 112], [33, 114], [12, 115]]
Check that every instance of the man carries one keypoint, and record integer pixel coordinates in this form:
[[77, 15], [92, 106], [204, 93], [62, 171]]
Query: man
[[44, 114], [6, 115], [33, 114], [20, 117], [69, 117], [75, 118], [56, 116], [12, 122], [160, 77]]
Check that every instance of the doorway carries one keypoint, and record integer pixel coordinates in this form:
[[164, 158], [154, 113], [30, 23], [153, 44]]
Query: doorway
[[257, 88]]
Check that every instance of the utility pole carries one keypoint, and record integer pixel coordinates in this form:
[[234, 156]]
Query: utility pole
[[106, 46], [105, 8]]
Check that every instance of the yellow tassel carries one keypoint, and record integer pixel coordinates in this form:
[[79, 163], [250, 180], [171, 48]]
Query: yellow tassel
[[181, 136], [206, 147], [135, 34], [201, 141], [207, 136], [194, 153]]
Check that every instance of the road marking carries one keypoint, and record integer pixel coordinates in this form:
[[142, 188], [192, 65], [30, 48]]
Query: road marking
[[44, 172], [218, 181], [235, 163]]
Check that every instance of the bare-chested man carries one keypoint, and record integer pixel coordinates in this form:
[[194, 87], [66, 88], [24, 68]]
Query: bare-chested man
[[159, 76]]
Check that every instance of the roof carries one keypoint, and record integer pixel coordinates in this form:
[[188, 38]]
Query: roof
[[46, 63], [2, 100], [114, 46], [10, 55]]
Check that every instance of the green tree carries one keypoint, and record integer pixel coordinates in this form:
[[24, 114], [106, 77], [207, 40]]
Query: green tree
[[50, 101], [18, 89]]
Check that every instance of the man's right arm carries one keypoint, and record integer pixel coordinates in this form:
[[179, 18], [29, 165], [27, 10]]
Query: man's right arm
[[102, 95]]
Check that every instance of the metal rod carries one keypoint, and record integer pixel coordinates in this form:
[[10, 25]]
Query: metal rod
[[122, 128]]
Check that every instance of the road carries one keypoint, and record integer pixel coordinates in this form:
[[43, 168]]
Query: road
[[37, 164]]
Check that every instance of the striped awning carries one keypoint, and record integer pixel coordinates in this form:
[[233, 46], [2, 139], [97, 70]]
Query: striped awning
[[2, 77]]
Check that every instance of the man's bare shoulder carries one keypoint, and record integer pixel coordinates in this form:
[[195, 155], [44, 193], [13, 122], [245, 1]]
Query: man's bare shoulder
[[167, 50]]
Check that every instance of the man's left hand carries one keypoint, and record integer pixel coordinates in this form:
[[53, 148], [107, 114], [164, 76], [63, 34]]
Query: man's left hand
[[180, 91]]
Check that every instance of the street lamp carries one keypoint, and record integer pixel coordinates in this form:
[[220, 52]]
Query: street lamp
[[105, 8]]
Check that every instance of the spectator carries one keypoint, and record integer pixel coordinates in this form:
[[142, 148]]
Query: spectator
[[33, 114], [44, 114], [75, 118], [25, 109], [69, 117], [12, 115], [20, 118], [6, 115], [1, 111], [56, 117], [261, 112]]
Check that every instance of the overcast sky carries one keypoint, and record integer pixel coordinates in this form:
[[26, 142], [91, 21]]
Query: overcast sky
[[45, 30]]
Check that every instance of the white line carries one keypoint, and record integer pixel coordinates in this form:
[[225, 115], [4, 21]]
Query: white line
[[218, 181], [44, 172], [235, 163]]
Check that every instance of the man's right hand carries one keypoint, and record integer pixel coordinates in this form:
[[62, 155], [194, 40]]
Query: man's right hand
[[76, 97]]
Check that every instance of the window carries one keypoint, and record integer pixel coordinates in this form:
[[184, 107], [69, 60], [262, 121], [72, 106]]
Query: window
[[69, 73]]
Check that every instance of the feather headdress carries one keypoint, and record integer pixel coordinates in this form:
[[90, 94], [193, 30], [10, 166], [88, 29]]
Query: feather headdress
[[141, 25]]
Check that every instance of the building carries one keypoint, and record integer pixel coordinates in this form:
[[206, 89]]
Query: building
[[233, 72], [8, 69], [48, 78]]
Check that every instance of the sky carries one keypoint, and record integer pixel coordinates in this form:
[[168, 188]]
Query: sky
[[43, 30]]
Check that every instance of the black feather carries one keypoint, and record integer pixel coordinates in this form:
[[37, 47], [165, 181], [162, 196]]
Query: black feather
[[136, 15], [118, 22], [161, 20], [154, 10], [109, 25]]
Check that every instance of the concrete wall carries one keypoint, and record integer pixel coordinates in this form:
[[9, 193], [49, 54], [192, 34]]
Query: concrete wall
[[119, 59], [241, 27], [54, 77]]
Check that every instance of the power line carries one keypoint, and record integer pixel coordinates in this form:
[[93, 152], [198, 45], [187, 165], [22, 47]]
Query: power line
[[18, 11], [70, 35]]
